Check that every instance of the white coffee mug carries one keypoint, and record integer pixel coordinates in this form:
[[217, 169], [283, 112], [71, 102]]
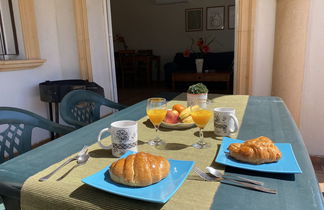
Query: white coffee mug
[[123, 136], [225, 121]]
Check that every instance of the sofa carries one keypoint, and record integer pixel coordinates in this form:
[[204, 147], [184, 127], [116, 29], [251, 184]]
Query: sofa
[[220, 61]]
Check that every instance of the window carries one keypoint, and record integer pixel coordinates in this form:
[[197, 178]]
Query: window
[[29, 54], [8, 37]]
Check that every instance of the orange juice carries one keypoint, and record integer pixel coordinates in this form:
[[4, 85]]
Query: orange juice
[[156, 115], [201, 117]]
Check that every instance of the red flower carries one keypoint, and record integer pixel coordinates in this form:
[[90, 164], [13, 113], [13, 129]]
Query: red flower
[[200, 42], [202, 45], [186, 53], [205, 48]]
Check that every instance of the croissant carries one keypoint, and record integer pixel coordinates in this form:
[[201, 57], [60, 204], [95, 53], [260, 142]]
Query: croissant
[[140, 169], [255, 151]]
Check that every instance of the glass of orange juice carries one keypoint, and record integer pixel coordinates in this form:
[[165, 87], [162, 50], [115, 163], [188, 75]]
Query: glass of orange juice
[[201, 116], [156, 110]]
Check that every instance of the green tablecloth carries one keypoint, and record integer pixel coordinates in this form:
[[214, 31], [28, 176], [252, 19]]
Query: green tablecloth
[[71, 193], [264, 115]]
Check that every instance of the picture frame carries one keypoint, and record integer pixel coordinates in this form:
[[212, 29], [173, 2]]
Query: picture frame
[[231, 16], [215, 18], [194, 19]]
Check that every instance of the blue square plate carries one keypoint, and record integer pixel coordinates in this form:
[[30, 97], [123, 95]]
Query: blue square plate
[[287, 163], [160, 192]]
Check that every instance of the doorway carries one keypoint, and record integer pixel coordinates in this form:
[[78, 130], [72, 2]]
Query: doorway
[[140, 27]]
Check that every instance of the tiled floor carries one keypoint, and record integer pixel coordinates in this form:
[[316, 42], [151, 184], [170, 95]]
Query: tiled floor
[[132, 95]]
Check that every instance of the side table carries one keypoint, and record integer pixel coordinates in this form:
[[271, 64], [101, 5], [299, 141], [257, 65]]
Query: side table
[[219, 76]]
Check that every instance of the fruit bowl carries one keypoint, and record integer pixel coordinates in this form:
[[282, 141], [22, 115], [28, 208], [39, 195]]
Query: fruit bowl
[[177, 125]]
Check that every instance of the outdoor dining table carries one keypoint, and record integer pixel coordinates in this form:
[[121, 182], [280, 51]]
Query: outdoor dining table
[[262, 116]]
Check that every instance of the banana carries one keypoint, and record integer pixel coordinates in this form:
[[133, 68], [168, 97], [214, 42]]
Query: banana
[[185, 113], [195, 108], [188, 120]]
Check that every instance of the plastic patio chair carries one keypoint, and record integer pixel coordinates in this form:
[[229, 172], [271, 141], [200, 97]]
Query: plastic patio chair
[[82, 107], [1, 204], [16, 130]]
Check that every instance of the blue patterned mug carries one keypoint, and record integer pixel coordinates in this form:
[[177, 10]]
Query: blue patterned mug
[[225, 121], [123, 137]]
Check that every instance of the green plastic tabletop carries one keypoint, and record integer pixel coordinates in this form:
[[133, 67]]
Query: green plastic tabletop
[[264, 116]]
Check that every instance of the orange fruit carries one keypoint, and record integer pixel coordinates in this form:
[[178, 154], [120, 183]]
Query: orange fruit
[[178, 107]]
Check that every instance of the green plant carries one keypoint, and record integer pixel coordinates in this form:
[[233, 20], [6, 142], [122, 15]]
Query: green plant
[[197, 88]]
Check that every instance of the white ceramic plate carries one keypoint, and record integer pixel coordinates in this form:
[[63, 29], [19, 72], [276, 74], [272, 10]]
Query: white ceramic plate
[[177, 125]]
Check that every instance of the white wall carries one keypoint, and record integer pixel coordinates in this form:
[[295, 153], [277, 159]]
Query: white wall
[[67, 39], [146, 25], [265, 22], [312, 112], [56, 35], [58, 45]]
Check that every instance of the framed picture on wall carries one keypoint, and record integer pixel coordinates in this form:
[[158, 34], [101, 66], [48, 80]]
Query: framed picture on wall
[[231, 17], [194, 19], [215, 18]]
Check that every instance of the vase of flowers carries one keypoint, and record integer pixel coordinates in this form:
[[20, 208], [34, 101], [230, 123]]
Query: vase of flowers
[[199, 64], [197, 92], [203, 47]]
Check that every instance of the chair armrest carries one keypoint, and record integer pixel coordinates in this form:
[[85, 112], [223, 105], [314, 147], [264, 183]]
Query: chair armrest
[[114, 105]]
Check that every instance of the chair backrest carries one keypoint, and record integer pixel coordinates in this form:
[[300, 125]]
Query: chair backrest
[[82, 107], [145, 52], [16, 130], [127, 61]]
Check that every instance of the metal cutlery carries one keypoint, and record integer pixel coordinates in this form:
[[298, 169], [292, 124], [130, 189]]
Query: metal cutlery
[[82, 152], [82, 159], [218, 174], [206, 177]]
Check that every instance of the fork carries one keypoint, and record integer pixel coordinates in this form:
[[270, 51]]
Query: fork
[[82, 151], [217, 174], [206, 177]]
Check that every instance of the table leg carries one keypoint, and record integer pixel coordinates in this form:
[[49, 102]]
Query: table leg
[[149, 70], [51, 117], [57, 118], [158, 68], [173, 82], [11, 203]]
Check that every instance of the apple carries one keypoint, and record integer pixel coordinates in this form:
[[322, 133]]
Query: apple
[[172, 117]]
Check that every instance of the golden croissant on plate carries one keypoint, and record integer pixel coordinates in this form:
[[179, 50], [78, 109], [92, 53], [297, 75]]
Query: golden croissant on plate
[[255, 151], [140, 169]]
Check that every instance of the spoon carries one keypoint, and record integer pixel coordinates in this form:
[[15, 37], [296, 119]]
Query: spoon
[[82, 159], [82, 152], [218, 174]]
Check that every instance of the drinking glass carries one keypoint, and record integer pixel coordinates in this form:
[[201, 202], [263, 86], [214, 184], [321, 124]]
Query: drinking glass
[[156, 110], [201, 114]]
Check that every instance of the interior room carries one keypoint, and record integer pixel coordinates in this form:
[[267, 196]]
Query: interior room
[[161, 104], [160, 26]]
